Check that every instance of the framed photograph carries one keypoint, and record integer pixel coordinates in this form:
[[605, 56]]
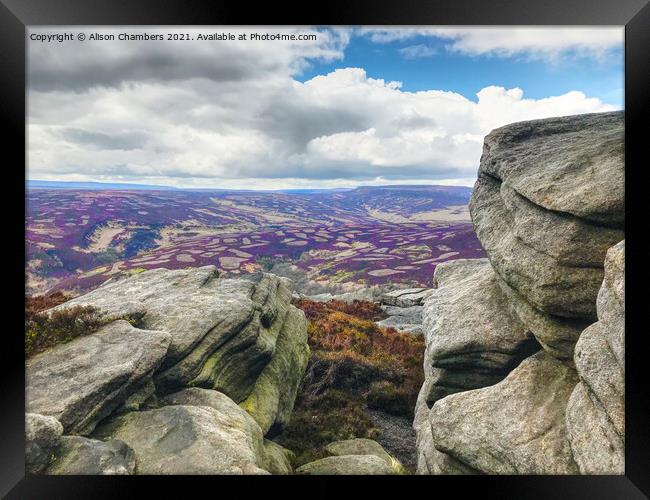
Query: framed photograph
[[373, 242]]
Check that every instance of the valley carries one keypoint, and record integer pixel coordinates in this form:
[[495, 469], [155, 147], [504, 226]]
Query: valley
[[325, 240]]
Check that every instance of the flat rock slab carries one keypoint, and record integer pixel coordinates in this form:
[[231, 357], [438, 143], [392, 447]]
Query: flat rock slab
[[83, 381], [403, 319], [514, 427], [78, 455], [347, 465], [362, 446], [405, 298], [182, 439]]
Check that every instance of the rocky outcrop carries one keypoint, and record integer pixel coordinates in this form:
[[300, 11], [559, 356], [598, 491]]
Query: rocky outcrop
[[82, 456], [472, 338], [548, 203], [596, 411], [271, 400], [42, 438], [240, 337], [185, 439], [85, 380], [142, 391], [548, 208], [362, 446], [513, 427]]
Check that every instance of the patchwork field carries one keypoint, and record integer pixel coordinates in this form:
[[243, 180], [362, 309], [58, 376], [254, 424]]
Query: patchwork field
[[367, 236]]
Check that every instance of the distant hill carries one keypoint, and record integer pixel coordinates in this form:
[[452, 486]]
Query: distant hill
[[462, 193], [36, 184]]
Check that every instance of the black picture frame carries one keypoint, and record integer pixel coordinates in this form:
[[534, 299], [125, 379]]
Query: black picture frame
[[16, 15]]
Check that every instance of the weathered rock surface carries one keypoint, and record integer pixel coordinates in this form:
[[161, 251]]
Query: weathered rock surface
[[347, 465], [275, 390], [241, 337], [83, 381], [570, 164], [403, 319], [42, 437], [406, 297], [611, 302], [278, 458], [513, 427], [82, 456], [548, 203], [553, 288], [183, 439], [596, 411], [555, 334], [362, 446], [472, 338], [429, 459], [548, 207]]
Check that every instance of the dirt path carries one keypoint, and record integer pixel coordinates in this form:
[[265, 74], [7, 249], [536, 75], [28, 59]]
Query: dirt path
[[397, 436]]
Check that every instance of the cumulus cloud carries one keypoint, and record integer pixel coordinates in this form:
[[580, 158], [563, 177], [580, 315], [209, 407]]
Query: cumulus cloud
[[255, 125], [77, 65]]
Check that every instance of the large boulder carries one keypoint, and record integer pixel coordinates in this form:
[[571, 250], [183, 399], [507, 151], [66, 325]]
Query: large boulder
[[85, 380], [347, 465], [278, 458], [187, 439], [241, 337], [42, 438], [548, 202], [429, 459], [570, 164], [553, 288], [362, 446], [513, 427], [78, 455], [548, 208], [472, 338], [596, 411], [275, 390], [611, 302]]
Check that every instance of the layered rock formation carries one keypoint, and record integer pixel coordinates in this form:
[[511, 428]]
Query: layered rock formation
[[201, 372], [507, 389]]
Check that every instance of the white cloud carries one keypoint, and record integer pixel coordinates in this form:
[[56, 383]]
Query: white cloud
[[418, 51], [548, 43], [263, 127]]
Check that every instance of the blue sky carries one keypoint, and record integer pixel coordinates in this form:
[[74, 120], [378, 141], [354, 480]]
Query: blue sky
[[344, 107], [432, 66]]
